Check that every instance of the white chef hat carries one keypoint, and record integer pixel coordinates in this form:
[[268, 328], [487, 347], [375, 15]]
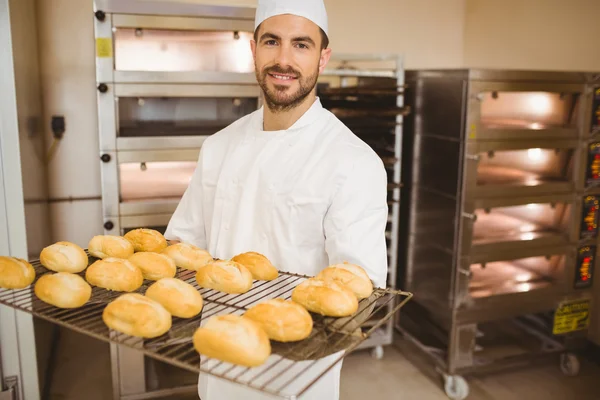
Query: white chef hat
[[313, 10]]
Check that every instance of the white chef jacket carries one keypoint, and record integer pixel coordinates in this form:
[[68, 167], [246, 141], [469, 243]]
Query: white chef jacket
[[306, 197]]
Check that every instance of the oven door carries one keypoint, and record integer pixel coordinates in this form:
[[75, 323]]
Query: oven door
[[518, 111], [522, 168], [166, 79], [148, 184]]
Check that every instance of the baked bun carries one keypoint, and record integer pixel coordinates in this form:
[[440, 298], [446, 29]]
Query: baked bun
[[352, 276], [325, 297], [146, 240], [154, 266], [63, 290], [259, 266], [233, 339], [179, 298], [115, 274], [15, 273], [225, 276], [188, 256], [107, 246], [282, 320], [64, 257], [137, 315]]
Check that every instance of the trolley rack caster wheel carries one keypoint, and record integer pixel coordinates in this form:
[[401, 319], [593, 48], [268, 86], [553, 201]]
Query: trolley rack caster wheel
[[456, 387], [377, 352], [569, 364]]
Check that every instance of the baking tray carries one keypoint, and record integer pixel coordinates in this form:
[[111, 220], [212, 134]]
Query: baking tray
[[290, 371]]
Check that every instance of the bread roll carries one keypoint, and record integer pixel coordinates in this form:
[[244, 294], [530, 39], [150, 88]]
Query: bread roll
[[154, 266], [225, 276], [188, 256], [115, 274], [352, 276], [259, 266], [64, 257], [282, 320], [146, 240], [137, 315], [179, 298], [107, 246], [15, 273], [63, 290], [325, 297], [233, 339]]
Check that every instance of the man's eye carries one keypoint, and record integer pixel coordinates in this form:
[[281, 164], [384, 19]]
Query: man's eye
[[270, 43], [302, 46]]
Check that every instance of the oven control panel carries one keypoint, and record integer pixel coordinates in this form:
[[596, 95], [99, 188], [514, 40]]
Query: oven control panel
[[596, 111], [590, 217], [593, 164], [584, 270]]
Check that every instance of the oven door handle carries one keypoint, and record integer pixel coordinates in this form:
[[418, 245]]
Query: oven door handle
[[472, 217]]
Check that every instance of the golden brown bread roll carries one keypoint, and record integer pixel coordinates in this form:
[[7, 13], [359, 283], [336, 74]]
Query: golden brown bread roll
[[188, 256], [15, 273], [63, 290], [259, 266], [115, 274], [352, 276], [64, 257], [325, 297], [233, 339], [154, 266], [107, 246], [144, 239], [282, 320], [225, 276], [137, 315], [179, 298]]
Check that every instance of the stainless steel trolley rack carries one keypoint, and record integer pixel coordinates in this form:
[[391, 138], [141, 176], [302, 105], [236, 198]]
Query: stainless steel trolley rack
[[290, 371]]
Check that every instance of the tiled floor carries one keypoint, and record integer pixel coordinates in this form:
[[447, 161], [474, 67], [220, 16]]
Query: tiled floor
[[83, 372]]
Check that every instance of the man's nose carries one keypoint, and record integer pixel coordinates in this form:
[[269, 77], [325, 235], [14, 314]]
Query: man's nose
[[284, 57]]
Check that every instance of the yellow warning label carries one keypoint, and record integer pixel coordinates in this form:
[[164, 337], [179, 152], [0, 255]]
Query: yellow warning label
[[571, 316], [472, 131], [103, 47]]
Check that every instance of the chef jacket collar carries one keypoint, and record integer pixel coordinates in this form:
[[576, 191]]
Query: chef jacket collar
[[293, 133]]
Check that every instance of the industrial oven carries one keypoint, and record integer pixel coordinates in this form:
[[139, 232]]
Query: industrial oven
[[499, 216], [171, 73]]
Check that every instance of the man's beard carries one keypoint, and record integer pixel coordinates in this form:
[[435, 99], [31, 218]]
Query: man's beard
[[277, 100]]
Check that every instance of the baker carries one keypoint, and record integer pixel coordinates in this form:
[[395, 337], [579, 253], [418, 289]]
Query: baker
[[289, 180]]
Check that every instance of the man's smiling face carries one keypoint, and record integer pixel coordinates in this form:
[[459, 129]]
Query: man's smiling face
[[288, 58]]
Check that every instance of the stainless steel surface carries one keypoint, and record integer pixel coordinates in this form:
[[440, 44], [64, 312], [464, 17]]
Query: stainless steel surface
[[494, 170], [184, 90], [121, 21], [174, 7], [196, 77], [176, 348], [157, 143]]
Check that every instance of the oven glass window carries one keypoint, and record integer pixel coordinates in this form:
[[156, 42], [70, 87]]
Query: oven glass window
[[526, 167], [528, 110], [521, 223], [152, 181], [182, 50], [515, 276], [180, 116]]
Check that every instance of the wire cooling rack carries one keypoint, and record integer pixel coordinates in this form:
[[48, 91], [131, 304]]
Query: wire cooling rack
[[288, 373]]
